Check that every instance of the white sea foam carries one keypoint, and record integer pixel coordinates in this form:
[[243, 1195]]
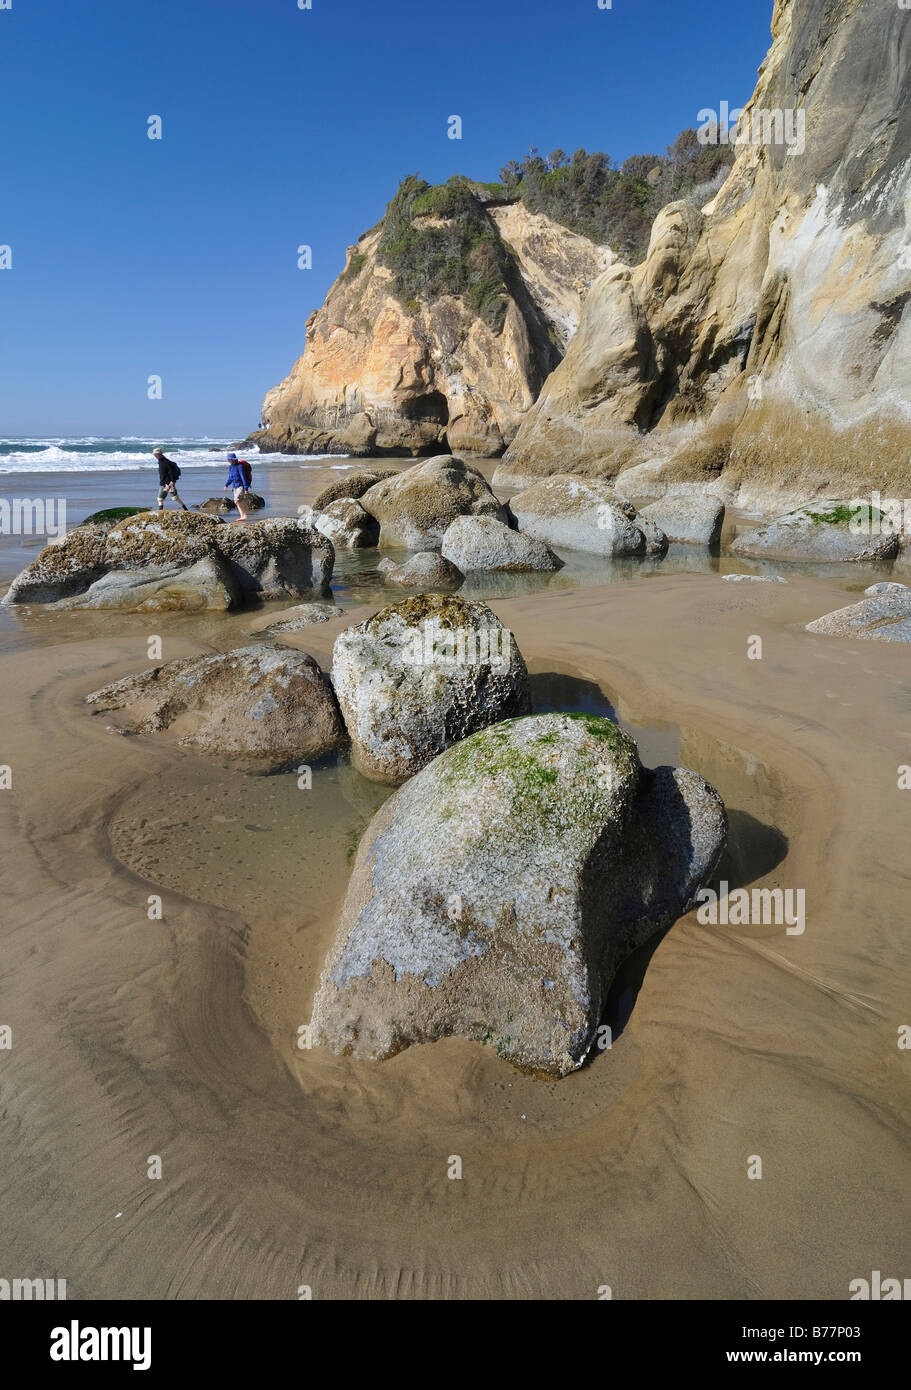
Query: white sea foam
[[98, 454]]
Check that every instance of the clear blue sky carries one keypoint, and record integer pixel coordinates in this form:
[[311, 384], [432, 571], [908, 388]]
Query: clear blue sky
[[281, 126]]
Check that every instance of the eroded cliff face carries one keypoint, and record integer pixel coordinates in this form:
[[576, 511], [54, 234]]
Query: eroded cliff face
[[763, 348], [383, 376]]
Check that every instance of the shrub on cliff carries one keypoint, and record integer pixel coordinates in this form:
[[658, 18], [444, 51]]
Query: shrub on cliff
[[615, 207], [458, 252]]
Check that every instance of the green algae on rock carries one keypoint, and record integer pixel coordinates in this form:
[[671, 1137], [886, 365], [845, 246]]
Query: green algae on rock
[[496, 893]]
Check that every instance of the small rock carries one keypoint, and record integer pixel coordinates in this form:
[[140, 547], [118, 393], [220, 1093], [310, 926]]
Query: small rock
[[427, 570], [688, 518], [883, 617]]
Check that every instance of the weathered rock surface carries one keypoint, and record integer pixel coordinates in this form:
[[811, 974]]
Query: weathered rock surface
[[352, 485], [415, 508], [278, 558], [814, 535], [427, 570], [264, 705], [585, 514], [687, 518], [208, 585], [169, 560], [765, 340], [347, 525], [420, 675], [484, 543], [495, 895], [382, 376], [883, 615], [66, 567]]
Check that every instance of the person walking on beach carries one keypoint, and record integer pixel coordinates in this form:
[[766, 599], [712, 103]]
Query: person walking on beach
[[168, 473], [238, 479]]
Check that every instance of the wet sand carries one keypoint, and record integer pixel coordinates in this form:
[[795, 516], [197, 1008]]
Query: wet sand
[[282, 1167]]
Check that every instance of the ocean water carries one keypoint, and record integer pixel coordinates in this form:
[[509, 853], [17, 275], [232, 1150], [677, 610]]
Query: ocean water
[[129, 453]]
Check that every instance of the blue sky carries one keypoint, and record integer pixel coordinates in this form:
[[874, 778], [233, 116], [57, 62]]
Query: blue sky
[[281, 126]]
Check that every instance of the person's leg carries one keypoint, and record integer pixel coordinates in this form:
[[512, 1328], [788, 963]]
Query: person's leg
[[161, 496], [240, 498], [178, 499]]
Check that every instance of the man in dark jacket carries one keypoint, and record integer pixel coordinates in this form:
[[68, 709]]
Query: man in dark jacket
[[168, 473]]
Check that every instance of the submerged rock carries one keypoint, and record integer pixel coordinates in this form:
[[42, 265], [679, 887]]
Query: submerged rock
[[495, 895], [420, 675], [484, 543], [817, 534], [883, 615], [415, 508], [585, 514], [688, 518], [347, 525], [301, 616], [264, 705], [426, 570]]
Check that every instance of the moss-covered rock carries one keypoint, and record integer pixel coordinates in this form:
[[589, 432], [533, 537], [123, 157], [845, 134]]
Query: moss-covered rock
[[415, 508], [495, 895], [827, 532], [68, 566]]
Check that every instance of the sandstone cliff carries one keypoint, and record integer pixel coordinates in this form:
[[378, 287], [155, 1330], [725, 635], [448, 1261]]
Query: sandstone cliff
[[439, 332], [763, 347]]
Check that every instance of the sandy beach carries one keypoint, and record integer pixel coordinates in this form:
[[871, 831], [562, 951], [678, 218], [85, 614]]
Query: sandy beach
[[285, 1167]]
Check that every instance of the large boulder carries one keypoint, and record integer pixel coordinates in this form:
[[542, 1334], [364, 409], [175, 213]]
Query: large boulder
[[883, 615], [208, 585], [264, 705], [416, 507], [495, 895], [825, 532], [687, 518], [585, 514], [426, 570], [347, 525], [484, 543], [352, 485], [68, 566], [420, 675], [278, 558]]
